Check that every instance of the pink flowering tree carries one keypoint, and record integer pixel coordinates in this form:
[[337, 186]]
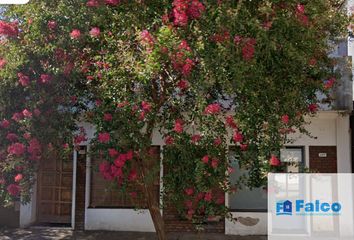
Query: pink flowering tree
[[201, 74]]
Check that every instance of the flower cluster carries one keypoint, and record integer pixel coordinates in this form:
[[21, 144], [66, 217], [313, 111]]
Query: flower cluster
[[111, 171], [181, 61], [8, 29], [184, 10], [300, 14]]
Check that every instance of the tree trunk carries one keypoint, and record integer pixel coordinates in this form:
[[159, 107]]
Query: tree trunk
[[153, 205]]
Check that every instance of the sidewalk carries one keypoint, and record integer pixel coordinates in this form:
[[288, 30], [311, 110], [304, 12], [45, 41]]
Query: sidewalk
[[68, 234]]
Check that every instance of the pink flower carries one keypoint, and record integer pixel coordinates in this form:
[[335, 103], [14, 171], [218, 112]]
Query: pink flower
[[112, 2], [313, 108], [231, 122], [27, 135], [133, 175], [95, 32], [237, 137], [5, 124], [196, 138], [329, 83], [98, 102], [142, 116], [195, 9], [183, 84], [23, 79], [248, 49], [147, 38], [116, 171], [26, 113], [285, 119], [17, 149], [14, 189], [45, 78], [189, 191], [112, 152], [200, 196], [12, 137], [120, 160], [104, 137], [8, 29], [52, 25], [274, 161], [187, 67], [107, 117], [178, 126], [122, 104], [312, 62], [220, 37], [184, 46], [213, 108], [75, 34], [105, 170], [179, 12], [130, 154], [2, 63], [2, 181], [146, 106], [18, 177], [208, 196], [237, 39], [217, 141], [205, 159], [17, 117], [303, 19], [169, 140], [214, 163], [93, 3], [34, 147], [243, 147], [300, 8]]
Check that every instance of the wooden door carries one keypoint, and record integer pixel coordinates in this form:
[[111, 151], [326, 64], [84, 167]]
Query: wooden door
[[54, 190], [323, 159]]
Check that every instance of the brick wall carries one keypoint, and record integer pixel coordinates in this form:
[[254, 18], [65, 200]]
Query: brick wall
[[326, 164], [174, 223]]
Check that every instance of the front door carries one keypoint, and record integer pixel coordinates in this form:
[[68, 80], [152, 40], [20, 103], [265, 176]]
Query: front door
[[54, 190]]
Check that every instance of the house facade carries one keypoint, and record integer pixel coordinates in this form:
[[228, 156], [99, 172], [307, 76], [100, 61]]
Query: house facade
[[71, 192]]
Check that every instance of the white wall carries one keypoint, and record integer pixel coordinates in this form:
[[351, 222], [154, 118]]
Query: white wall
[[330, 129], [119, 220], [28, 212]]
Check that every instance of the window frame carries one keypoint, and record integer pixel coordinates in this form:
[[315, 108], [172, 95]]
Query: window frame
[[301, 168]]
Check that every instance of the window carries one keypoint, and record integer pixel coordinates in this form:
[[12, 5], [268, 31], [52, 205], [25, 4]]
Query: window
[[245, 199], [255, 200], [105, 194], [293, 159]]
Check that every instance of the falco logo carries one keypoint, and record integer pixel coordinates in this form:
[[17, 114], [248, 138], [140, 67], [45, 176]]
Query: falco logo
[[284, 208], [300, 207]]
